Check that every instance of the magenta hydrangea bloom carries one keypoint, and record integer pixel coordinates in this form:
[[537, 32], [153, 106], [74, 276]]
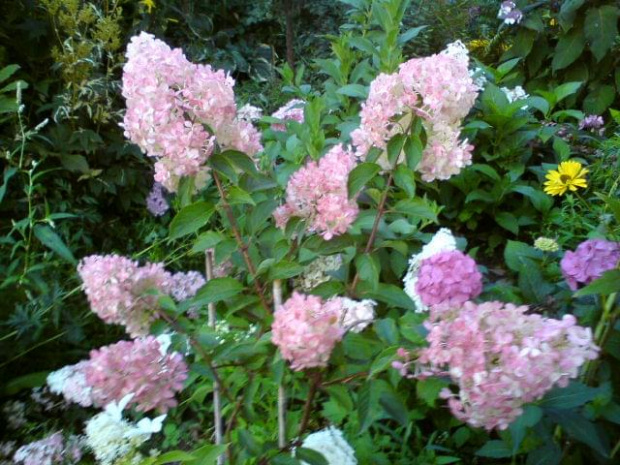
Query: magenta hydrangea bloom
[[136, 367], [306, 329], [591, 259], [318, 193], [448, 278], [502, 358]]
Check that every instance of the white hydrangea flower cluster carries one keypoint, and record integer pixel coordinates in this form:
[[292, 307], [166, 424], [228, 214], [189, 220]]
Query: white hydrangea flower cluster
[[112, 438], [457, 50], [317, 272], [442, 241], [330, 442], [357, 315], [518, 93], [249, 113], [70, 382]]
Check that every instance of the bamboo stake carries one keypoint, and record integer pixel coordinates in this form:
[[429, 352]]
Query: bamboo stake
[[217, 403], [277, 301]]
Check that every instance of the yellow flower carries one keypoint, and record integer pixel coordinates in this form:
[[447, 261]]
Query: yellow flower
[[570, 175], [149, 4], [477, 44]]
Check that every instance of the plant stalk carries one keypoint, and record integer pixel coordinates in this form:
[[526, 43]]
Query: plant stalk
[[242, 245], [375, 227]]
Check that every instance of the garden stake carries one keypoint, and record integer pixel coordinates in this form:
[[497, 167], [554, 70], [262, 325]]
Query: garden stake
[[217, 403], [277, 302]]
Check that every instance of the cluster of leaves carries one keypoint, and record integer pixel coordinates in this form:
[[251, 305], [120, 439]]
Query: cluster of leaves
[[571, 40]]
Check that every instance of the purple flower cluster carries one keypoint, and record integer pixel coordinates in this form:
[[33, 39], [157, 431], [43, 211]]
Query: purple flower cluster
[[509, 12], [448, 278], [156, 202], [591, 259]]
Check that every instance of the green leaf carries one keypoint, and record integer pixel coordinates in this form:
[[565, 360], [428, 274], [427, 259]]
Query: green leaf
[[599, 99], [207, 455], [285, 270], [217, 289], [50, 239], [574, 395], [418, 208], [495, 450], [173, 456], [7, 72], [237, 196], [207, 240], [310, 456], [517, 253], [394, 407], [29, 381], [532, 282], [368, 267], [8, 174], [190, 219], [580, 429], [428, 389], [612, 203], [563, 91], [605, 285], [549, 454], [363, 44], [395, 148], [518, 428], [410, 34], [387, 330], [404, 177], [413, 152], [507, 221], [354, 90], [568, 12], [249, 443], [601, 28], [569, 48], [392, 295], [360, 175]]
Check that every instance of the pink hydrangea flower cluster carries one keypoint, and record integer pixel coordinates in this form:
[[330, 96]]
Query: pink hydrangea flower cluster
[[293, 110], [448, 278], [47, 451], [591, 259], [501, 358], [318, 194], [177, 111], [306, 329], [441, 91], [139, 367], [116, 287]]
